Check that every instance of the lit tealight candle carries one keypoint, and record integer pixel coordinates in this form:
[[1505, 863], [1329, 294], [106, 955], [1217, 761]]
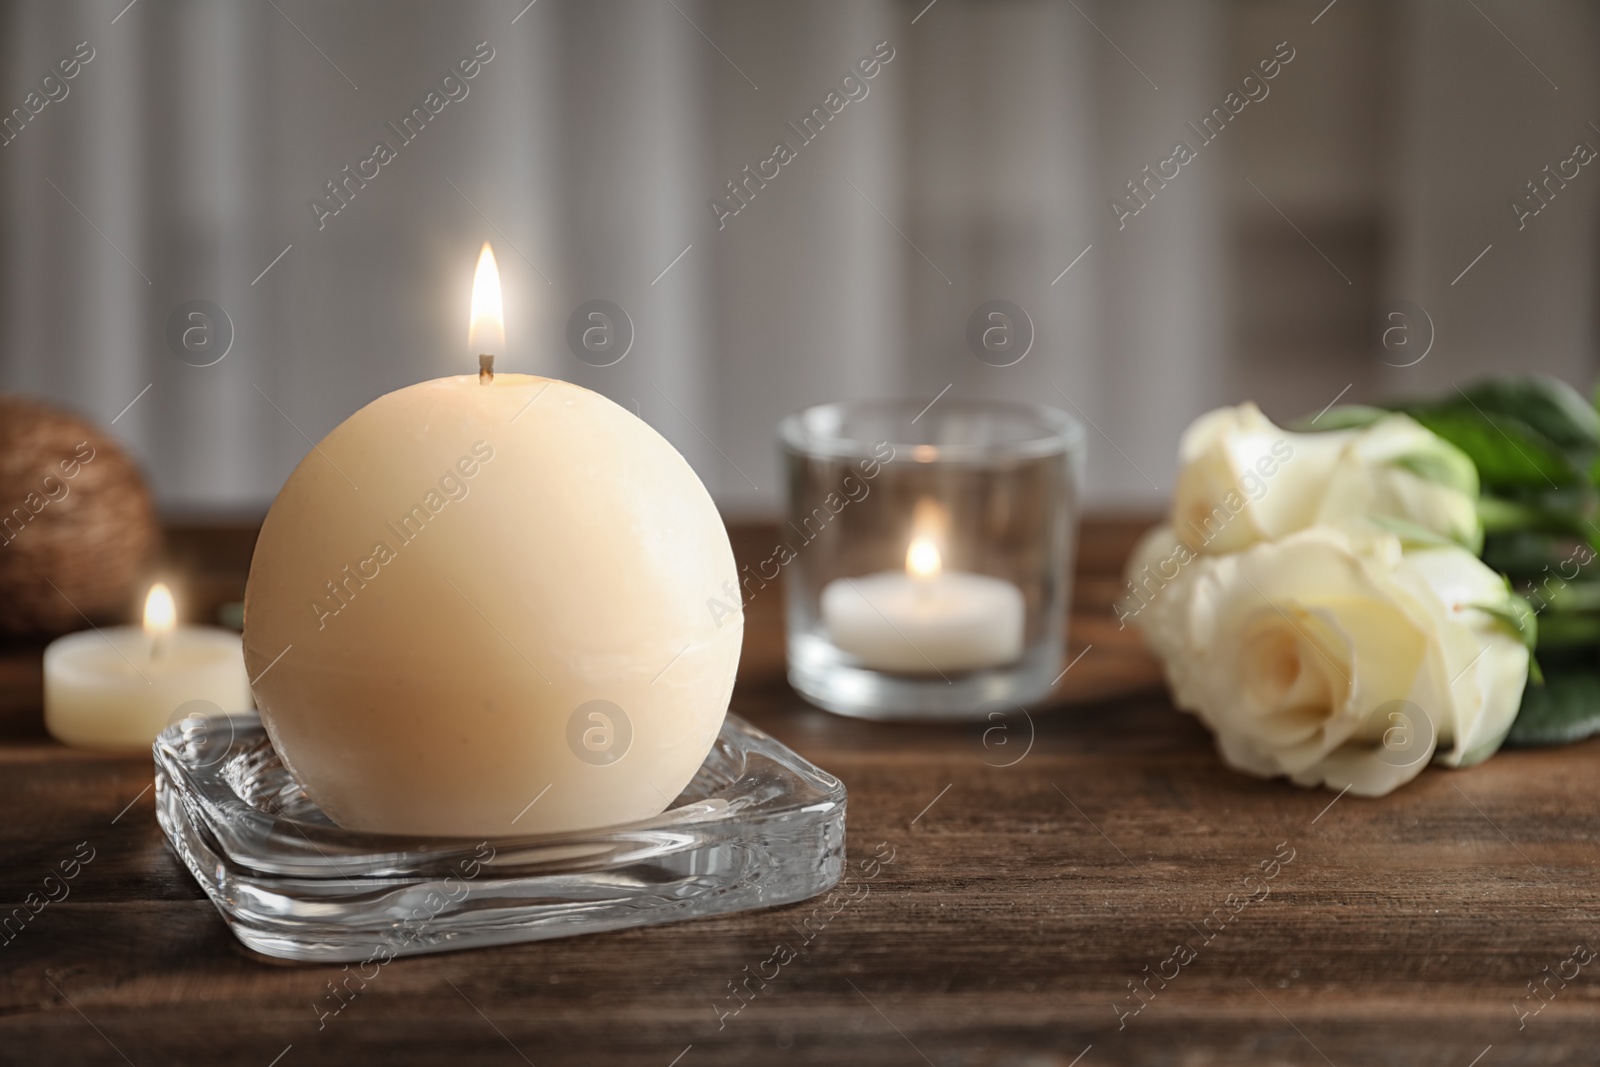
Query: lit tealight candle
[[925, 620], [118, 687]]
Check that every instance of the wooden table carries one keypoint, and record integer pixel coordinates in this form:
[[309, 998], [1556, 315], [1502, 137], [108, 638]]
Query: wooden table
[[1021, 903]]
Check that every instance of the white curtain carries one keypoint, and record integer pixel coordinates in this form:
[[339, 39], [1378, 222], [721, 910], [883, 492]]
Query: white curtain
[[183, 162]]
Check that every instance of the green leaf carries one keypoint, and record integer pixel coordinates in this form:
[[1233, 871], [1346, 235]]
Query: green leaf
[[1521, 430], [1550, 513], [1507, 452], [1564, 596], [1565, 629], [1520, 552], [1577, 500], [1565, 708], [1549, 405], [1343, 417]]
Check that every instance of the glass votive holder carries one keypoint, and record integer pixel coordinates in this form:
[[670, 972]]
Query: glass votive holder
[[929, 553]]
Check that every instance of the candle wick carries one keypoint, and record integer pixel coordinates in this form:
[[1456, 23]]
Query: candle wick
[[157, 646], [485, 369]]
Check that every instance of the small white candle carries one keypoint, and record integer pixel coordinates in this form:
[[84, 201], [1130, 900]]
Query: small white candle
[[118, 687], [925, 620]]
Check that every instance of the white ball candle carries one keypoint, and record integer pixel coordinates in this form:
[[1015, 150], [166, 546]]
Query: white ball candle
[[479, 607], [117, 687], [925, 620]]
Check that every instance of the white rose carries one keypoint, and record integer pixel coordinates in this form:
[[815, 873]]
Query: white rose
[[1338, 658], [1398, 469], [1156, 572], [1243, 480]]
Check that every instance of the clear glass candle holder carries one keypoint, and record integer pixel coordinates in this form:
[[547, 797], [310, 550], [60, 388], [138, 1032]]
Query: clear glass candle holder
[[758, 826], [928, 553]]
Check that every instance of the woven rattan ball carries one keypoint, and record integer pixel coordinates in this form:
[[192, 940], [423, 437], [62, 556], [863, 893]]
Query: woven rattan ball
[[77, 525]]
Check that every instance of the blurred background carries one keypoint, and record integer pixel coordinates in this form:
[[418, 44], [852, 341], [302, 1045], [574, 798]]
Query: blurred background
[[1405, 203]]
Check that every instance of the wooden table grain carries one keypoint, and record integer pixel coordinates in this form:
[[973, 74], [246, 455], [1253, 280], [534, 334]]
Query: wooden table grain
[[1088, 887]]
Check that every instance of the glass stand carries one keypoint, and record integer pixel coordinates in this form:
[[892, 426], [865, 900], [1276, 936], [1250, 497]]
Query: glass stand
[[757, 827]]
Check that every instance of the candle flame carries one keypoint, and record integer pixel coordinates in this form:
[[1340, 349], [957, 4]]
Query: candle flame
[[160, 613], [922, 558], [486, 331]]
